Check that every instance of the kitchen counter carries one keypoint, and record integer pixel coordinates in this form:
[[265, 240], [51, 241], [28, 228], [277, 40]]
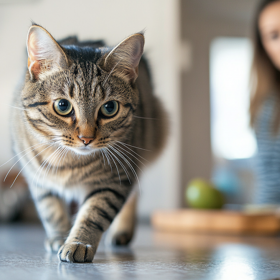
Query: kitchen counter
[[152, 255]]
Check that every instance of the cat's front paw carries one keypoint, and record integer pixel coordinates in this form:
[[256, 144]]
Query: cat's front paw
[[76, 252], [53, 244]]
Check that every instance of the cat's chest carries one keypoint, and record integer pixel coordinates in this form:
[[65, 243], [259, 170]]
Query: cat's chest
[[67, 175]]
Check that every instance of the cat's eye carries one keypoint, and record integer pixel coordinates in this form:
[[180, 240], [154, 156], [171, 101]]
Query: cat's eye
[[109, 109], [63, 107]]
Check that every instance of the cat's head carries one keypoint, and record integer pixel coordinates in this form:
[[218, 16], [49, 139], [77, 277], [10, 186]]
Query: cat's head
[[81, 97]]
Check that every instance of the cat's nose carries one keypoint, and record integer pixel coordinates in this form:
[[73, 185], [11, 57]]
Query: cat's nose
[[86, 140]]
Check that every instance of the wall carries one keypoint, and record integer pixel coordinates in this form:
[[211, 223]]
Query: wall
[[112, 21], [201, 22]]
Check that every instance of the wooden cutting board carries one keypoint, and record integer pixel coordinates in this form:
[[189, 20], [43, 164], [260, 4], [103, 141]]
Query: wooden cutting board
[[216, 221]]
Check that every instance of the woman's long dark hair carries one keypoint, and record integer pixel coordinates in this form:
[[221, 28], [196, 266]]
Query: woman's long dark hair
[[265, 77]]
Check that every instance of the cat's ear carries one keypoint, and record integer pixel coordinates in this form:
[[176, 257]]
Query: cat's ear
[[123, 60], [44, 54]]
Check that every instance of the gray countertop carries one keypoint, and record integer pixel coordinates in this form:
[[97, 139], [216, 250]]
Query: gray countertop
[[152, 255]]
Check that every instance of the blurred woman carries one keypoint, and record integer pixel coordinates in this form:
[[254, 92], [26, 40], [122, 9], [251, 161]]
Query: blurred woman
[[265, 101]]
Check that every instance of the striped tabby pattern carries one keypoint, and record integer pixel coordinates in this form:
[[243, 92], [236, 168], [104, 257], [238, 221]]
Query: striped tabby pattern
[[85, 155]]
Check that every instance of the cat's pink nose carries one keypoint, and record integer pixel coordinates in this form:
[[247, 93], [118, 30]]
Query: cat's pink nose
[[86, 140]]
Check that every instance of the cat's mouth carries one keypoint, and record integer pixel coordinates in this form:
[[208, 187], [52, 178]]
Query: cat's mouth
[[85, 150]]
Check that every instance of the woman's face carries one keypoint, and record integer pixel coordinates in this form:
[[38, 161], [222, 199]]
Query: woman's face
[[269, 26]]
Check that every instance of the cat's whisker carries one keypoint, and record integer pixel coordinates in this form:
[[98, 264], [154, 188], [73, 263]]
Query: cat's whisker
[[100, 160], [60, 136], [125, 144], [103, 157], [54, 158], [60, 158], [106, 155], [111, 157], [128, 163], [18, 108], [18, 161], [54, 154], [110, 154], [65, 154], [23, 152], [50, 161], [131, 167], [124, 150], [125, 147], [58, 139], [15, 107], [128, 158], [72, 153], [40, 168], [120, 162], [29, 162], [133, 170], [134, 116], [105, 81]]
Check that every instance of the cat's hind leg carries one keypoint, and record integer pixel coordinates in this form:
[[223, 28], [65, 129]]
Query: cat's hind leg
[[122, 229]]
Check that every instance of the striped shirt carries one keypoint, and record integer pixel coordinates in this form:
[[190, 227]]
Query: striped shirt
[[267, 164]]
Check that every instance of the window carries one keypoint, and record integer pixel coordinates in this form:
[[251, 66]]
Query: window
[[230, 62]]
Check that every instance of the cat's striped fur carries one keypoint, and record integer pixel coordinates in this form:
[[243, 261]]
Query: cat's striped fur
[[55, 159]]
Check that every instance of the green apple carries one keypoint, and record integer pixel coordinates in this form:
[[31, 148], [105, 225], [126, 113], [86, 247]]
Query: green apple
[[202, 194]]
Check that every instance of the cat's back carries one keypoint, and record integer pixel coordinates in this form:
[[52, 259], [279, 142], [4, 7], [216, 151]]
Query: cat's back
[[152, 119]]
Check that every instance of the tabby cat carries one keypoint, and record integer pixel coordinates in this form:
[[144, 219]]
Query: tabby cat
[[83, 124]]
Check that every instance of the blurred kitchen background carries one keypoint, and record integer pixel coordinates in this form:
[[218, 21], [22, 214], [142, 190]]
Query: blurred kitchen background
[[199, 53]]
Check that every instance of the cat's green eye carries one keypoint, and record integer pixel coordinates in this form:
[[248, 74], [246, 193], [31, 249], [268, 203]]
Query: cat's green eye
[[109, 109], [63, 107]]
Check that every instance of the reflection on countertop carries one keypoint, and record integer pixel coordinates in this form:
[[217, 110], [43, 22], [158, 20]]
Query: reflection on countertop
[[153, 255]]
